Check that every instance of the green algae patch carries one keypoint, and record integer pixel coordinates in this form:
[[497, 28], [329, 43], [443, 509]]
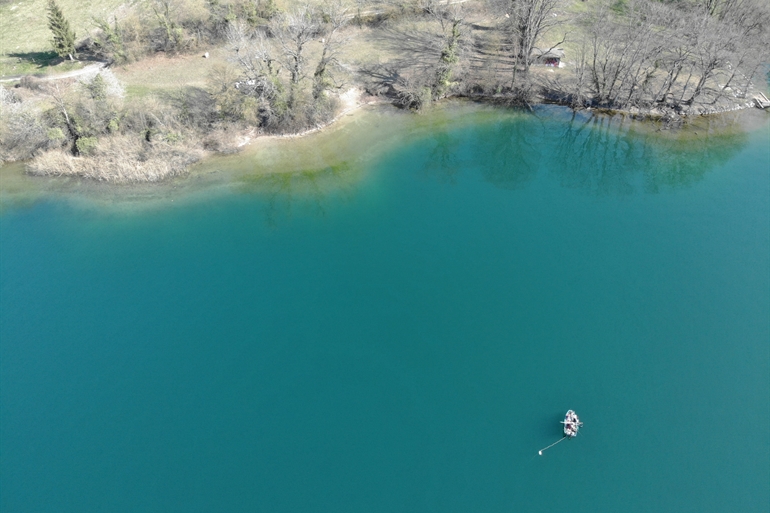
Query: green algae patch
[[355, 139]]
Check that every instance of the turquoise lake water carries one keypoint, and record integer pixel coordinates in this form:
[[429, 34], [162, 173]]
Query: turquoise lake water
[[404, 340]]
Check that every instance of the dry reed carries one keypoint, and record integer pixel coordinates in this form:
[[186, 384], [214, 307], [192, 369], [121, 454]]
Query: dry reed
[[120, 160]]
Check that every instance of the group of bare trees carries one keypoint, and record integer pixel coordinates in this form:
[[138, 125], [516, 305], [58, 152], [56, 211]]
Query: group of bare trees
[[527, 22], [173, 26], [281, 71], [628, 53], [674, 55], [282, 65], [622, 53], [429, 47]]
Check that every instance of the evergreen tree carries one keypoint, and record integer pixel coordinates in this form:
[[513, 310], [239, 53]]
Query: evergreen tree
[[63, 40]]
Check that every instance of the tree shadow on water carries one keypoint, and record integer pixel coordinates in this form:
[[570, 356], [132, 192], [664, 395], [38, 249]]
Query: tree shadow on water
[[506, 154], [597, 156]]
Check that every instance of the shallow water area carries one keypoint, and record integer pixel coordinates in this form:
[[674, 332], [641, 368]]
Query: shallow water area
[[337, 157], [398, 321]]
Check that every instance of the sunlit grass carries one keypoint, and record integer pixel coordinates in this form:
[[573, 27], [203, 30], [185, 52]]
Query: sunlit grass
[[25, 45], [161, 72], [24, 28], [36, 63]]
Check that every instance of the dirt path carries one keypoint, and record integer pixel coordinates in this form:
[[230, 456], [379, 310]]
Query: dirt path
[[69, 74]]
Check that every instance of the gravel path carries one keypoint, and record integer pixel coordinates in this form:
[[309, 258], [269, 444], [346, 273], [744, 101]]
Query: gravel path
[[69, 74]]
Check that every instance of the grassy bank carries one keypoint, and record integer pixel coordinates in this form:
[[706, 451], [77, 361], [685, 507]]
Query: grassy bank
[[25, 39]]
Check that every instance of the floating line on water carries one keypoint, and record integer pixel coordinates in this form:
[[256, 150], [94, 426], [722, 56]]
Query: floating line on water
[[540, 452]]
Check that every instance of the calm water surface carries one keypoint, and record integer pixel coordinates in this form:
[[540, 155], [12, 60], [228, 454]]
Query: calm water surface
[[402, 330]]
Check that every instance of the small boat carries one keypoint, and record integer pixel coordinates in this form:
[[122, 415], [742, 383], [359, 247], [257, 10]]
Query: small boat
[[571, 424]]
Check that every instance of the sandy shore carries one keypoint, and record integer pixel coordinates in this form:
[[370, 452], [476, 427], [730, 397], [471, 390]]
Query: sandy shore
[[351, 100]]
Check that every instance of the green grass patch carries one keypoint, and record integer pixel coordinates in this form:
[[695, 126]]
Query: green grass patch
[[24, 23], [138, 91], [25, 40], [26, 63], [36, 63]]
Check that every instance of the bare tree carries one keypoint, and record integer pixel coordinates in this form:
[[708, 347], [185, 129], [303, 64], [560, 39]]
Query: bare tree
[[252, 53], [711, 42], [450, 17], [609, 42], [623, 53], [256, 59], [275, 66], [677, 40], [528, 21], [293, 31], [336, 15], [750, 23], [22, 133]]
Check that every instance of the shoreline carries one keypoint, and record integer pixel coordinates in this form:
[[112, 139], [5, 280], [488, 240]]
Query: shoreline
[[355, 98], [353, 101], [209, 173], [165, 103]]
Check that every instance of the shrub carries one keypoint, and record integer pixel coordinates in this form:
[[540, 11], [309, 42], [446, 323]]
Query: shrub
[[31, 83], [22, 130], [86, 145], [56, 134], [413, 95], [96, 88], [101, 85], [194, 106], [109, 41]]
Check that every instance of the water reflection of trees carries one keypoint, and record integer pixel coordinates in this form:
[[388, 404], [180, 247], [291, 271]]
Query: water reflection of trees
[[678, 164], [597, 153], [602, 154], [509, 154], [444, 161], [614, 155], [306, 191], [503, 152]]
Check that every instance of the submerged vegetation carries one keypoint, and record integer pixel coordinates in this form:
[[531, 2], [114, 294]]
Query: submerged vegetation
[[263, 67]]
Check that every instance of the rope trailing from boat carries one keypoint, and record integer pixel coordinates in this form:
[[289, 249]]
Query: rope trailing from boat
[[540, 452]]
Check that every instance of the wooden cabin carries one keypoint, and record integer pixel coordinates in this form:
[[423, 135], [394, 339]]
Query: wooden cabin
[[546, 57]]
